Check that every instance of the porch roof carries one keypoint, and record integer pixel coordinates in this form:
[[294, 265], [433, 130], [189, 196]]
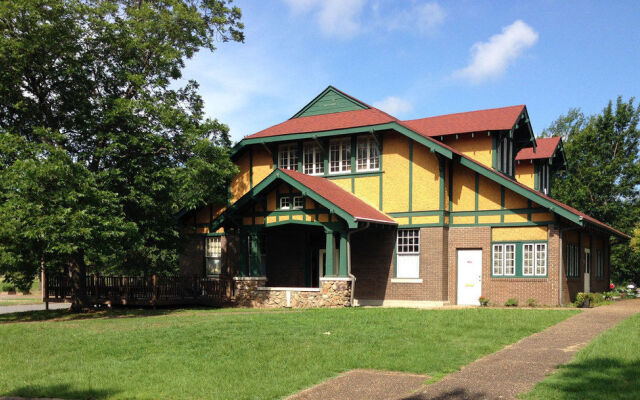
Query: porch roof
[[339, 201]]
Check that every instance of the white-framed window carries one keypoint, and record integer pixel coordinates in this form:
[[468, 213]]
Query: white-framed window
[[534, 259], [573, 260], [340, 156], [298, 202], [599, 264], [541, 259], [504, 259], [285, 202], [368, 156], [288, 156], [312, 159], [213, 255], [408, 254]]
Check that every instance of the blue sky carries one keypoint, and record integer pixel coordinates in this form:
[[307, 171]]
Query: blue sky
[[416, 59]]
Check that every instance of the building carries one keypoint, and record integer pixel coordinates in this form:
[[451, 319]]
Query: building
[[343, 204]]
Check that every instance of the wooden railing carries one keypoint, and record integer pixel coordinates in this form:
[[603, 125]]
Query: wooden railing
[[137, 290]]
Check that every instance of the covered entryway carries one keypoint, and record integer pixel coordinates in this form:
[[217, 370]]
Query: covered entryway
[[469, 277]]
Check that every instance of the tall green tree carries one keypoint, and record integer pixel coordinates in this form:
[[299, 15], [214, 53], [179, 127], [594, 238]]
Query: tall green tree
[[603, 177], [96, 81]]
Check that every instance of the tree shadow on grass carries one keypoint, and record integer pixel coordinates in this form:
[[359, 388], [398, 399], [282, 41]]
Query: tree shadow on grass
[[66, 315], [596, 378], [62, 391]]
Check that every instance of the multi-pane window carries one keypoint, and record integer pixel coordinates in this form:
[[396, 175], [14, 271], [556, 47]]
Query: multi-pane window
[[504, 259], [599, 264], [213, 255], [312, 159], [285, 203], [288, 156], [573, 260], [541, 258], [368, 154], [298, 202], [534, 259], [408, 254], [528, 259], [505, 155], [340, 156]]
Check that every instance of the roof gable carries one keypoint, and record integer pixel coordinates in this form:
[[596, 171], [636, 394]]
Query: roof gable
[[331, 100], [546, 148]]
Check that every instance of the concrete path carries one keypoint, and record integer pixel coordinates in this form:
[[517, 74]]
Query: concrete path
[[32, 307], [501, 375]]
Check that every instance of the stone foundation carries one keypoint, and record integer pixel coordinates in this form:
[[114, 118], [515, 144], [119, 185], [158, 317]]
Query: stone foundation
[[251, 292]]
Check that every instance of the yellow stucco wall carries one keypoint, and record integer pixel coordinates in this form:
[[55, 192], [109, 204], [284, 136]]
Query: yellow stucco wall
[[427, 219], [479, 147], [426, 179], [395, 162], [521, 233], [262, 163], [344, 183], [525, 174], [489, 195], [368, 189], [464, 189], [241, 182], [513, 200]]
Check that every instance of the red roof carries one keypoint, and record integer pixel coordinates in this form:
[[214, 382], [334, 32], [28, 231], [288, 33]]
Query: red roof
[[545, 147], [346, 201], [494, 119], [326, 122]]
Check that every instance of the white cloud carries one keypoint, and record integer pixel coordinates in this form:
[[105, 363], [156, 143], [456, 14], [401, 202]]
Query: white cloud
[[425, 18], [337, 18], [490, 59], [394, 105]]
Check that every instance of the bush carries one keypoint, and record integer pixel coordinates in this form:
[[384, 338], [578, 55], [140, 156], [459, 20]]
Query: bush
[[512, 302], [531, 302], [595, 299], [609, 295], [7, 287], [483, 301]]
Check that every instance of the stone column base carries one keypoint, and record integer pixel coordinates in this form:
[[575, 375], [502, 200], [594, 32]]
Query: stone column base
[[250, 292]]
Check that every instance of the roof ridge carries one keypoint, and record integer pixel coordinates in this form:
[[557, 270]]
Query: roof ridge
[[465, 112]]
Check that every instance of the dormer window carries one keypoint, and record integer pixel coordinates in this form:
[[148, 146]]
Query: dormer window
[[288, 156], [545, 178]]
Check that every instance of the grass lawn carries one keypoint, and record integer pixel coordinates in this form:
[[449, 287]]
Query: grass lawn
[[16, 302], [242, 355], [608, 368]]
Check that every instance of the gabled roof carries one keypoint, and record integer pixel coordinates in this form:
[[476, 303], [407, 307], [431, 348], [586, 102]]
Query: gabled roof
[[342, 199], [331, 100], [495, 119], [326, 122], [326, 193], [546, 148]]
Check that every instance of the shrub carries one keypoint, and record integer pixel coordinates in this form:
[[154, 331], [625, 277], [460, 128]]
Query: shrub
[[483, 301], [595, 299], [7, 287], [609, 295], [512, 302], [531, 302]]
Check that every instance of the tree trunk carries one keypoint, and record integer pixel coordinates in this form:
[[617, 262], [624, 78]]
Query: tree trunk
[[78, 277]]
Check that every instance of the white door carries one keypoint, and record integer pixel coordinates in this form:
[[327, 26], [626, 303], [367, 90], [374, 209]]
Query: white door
[[469, 276], [587, 270]]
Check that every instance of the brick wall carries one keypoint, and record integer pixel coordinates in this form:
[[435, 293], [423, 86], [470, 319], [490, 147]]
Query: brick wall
[[498, 290], [372, 262], [572, 286]]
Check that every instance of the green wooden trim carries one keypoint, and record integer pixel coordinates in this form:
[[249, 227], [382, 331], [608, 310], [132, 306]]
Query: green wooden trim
[[494, 151], [519, 260], [441, 162], [329, 245], [305, 191], [215, 234], [308, 108], [416, 213], [434, 224], [354, 145], [355, 174], [251, 167], [511, 185], [500, 224], [342, 269], [536, 176], [450, 186], [477, 199], [300, 156]]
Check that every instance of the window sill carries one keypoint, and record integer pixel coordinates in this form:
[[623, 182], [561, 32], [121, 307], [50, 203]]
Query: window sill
[[406, 280]]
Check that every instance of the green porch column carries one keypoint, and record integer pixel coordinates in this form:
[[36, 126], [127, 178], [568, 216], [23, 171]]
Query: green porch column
[[328, 263], [342, 270], [255, 261]]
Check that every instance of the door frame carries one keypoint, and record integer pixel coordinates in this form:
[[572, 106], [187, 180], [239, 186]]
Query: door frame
[[587, 271], [458, 270]]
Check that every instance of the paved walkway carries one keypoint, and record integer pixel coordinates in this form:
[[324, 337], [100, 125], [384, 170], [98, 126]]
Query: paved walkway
[[32, 307], [501, 375]]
